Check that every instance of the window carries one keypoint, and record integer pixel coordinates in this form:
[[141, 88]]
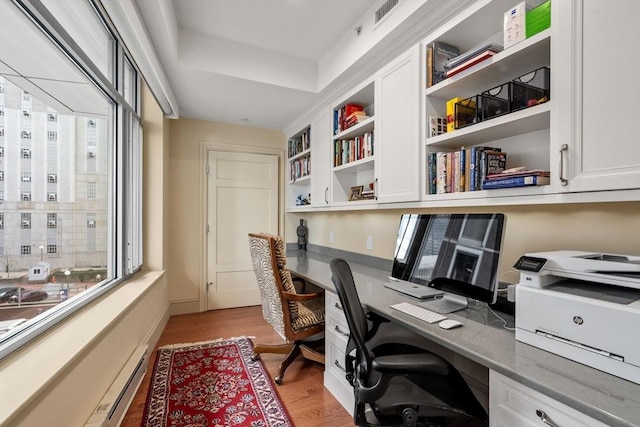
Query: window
[[52, 197], [26, 176], [91, 190], [25, 220], [52, 220], [26, 96], [94, 55], [52, 135], [25, 196]]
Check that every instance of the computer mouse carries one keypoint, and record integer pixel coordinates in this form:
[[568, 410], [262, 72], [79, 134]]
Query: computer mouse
[[449, 324]]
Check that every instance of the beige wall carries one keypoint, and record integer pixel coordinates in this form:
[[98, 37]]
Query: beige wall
[[186, 198], [599, 227]]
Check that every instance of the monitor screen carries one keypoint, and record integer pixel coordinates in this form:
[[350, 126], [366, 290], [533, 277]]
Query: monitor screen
[[455, 253]]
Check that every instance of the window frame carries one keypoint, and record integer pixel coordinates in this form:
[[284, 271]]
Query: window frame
[[124, 246]]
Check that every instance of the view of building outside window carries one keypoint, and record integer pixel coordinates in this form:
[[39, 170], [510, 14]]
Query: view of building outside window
[[53, 204]]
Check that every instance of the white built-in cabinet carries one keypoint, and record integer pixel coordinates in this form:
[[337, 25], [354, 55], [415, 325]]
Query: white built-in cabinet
[[397, 164], [595, 135], [585, 135], [514, 404]]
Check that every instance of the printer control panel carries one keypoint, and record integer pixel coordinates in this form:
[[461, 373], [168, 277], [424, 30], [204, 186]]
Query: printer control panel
[[529, 263]]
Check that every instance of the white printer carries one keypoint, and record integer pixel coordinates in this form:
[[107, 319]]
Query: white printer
[[583, 306]]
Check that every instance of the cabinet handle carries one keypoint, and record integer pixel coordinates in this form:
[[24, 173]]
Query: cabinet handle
[[326, 199], [543, 417], [338, 306], [563, 148], [338, 330], [375, 188], [335, 362]]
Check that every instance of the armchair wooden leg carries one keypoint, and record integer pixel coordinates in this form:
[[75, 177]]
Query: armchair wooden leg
[[295, 351]]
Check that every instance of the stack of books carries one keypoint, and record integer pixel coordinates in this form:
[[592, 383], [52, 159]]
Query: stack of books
[[355, 118], [518, 177], [471, 58]]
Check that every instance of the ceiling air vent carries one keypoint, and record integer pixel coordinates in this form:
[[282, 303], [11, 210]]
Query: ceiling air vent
[[385, 9]]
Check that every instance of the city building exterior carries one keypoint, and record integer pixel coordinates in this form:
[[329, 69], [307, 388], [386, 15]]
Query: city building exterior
[[53, 185]]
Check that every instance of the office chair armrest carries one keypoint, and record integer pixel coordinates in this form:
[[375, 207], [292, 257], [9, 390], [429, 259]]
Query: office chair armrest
[[302, 297], [400, 364]]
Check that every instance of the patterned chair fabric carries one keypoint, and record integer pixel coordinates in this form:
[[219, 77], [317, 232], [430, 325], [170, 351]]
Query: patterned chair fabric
[[268, 257]]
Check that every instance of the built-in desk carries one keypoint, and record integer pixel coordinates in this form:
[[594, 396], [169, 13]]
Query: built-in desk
[[601, 396]]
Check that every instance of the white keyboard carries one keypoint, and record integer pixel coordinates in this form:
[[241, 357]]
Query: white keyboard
[[419, 312]]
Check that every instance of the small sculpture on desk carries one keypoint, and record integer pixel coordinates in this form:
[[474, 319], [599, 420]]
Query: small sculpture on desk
[[302, 236]]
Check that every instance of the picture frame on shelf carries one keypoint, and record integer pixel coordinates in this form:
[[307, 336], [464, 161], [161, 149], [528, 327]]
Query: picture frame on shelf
[[356, 192]]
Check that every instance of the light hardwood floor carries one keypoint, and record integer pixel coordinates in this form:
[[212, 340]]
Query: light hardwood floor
[[308, 402]]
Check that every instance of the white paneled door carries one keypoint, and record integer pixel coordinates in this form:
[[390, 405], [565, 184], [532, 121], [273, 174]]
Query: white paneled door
[[242, 197]]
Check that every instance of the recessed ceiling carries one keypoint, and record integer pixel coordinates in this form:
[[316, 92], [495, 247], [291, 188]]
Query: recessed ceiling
[[254, 59]]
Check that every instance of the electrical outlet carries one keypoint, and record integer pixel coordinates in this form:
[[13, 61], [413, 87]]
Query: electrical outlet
[[331, 237], [369, 242]]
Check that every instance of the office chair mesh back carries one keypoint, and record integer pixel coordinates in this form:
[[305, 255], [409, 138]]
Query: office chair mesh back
[[398, 380]]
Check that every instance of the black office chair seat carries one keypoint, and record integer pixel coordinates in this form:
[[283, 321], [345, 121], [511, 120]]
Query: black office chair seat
[[398, 384]]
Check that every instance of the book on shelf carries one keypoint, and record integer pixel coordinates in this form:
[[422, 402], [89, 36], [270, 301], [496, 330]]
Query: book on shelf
[[340, 116], [451, 120], [472, 53], [354, 119], [350, 150], [438, 55], [517, 172], [491, 162], [516, 181], [470, 63]]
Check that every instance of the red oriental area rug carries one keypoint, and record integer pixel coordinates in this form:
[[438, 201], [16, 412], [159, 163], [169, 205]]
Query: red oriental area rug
[[212, 384]]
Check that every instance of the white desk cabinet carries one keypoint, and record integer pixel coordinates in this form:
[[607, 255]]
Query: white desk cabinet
[[513, 404], [336, 336]]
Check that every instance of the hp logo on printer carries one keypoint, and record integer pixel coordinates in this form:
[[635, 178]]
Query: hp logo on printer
[[578, 320]]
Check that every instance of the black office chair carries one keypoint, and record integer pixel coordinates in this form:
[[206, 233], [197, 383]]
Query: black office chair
[[401, 384]]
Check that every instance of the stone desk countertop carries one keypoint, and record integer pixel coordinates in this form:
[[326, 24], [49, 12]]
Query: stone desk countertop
[[483, 339]]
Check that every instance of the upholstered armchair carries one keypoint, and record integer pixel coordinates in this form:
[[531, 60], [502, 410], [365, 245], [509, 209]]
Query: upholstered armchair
[[297, 315]]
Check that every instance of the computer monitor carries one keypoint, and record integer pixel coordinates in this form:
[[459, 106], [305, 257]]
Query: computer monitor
[[455, 253]]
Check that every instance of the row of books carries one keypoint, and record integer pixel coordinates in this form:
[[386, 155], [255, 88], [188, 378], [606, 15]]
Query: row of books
[[350, 150], [298, 145], [300, 168], [464, 169], [346, 116]]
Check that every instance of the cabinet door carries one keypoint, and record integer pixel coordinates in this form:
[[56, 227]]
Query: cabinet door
[[397, 129], [596, 87], [321, 159]]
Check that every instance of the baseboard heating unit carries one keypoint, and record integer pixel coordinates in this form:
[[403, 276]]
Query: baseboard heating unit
[[114, 404]]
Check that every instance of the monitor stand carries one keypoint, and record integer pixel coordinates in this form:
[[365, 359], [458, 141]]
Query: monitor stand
[[447, 304]]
